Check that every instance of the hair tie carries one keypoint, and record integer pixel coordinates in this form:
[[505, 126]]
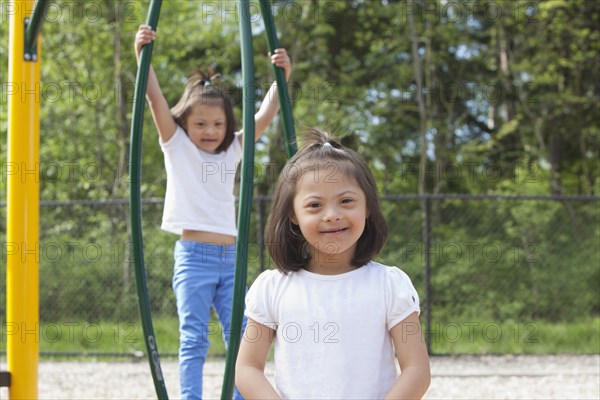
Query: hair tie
[[199, 78], [327, 144]]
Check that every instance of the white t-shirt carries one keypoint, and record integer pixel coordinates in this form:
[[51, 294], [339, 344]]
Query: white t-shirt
[[199, 192], [332, 331]]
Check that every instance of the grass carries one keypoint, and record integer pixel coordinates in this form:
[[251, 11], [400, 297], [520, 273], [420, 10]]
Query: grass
[[511, 337], [475, 337], [119, 337]]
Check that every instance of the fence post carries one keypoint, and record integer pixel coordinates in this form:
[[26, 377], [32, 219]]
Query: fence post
[[426, 237], [260, 232]]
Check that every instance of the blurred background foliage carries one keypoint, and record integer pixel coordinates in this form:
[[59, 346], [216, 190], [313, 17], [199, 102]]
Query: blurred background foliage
[[464, 97]]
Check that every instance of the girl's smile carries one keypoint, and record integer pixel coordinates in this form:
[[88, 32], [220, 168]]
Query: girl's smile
[[334, 232]]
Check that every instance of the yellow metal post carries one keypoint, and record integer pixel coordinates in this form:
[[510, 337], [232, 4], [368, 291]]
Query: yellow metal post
[[22, 239]]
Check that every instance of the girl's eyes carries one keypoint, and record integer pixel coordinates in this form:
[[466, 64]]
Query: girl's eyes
[[344, 201], [201, 124]]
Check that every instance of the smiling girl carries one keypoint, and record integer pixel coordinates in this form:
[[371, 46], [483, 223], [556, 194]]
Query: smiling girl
[[201, 150], [335, 316]]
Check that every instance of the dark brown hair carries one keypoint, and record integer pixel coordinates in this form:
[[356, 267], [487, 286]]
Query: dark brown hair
[[285, 243], [202, 88]]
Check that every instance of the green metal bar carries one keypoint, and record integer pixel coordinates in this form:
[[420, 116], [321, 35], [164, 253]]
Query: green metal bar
[[32, 29], [245, 205], [141, 83], [284, 98]]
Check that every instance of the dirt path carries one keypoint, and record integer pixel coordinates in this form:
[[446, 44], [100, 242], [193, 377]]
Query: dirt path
[[459, 377]]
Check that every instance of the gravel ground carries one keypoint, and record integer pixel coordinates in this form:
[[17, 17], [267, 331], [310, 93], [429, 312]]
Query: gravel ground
[[457, 377]]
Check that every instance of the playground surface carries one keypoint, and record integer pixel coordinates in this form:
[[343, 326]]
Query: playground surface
[[453, 377]]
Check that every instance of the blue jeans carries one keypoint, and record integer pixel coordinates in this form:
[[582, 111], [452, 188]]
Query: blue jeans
[[203, 278]]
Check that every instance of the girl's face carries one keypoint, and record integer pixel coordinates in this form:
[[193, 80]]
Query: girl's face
[[206, 125], [330, 208]]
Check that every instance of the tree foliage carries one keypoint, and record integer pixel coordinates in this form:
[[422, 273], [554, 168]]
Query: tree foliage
[[510, 91], [507, 86]]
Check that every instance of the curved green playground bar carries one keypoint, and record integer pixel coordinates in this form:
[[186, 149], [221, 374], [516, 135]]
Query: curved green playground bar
[[245, 202], [135, 203], [245, 205], [282, 89]]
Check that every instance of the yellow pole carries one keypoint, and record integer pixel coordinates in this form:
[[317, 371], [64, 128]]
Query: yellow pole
[[22, 238]]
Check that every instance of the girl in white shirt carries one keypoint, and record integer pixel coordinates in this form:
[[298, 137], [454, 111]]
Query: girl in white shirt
[[335, 316], [202, 150]]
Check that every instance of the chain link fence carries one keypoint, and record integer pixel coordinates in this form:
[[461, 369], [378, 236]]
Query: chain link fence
[[488, 269]]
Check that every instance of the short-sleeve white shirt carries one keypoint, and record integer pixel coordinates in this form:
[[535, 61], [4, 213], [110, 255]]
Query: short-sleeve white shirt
[[332, 331], [199, 193]]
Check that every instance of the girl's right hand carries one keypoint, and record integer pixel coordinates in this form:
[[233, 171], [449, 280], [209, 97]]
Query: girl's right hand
[[144, 35]]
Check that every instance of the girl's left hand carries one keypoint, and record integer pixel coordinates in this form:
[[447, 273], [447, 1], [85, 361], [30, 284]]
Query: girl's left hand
[[282, 60]]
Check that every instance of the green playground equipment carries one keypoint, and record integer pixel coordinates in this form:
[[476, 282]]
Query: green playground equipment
[[246, 189]]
